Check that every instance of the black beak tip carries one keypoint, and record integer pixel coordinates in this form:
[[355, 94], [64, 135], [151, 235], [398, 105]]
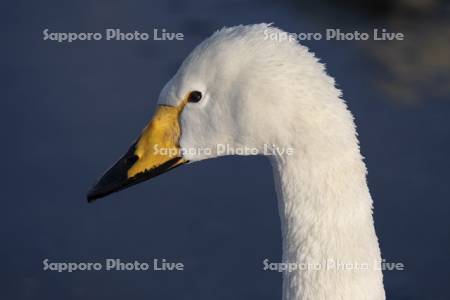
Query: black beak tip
[[93, 195], [90, 197], [115, 179], [101, 190]]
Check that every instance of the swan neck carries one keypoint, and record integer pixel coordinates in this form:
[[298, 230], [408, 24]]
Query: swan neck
[[326, 220]]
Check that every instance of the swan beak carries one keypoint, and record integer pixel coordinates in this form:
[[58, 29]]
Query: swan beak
[[155, 152]]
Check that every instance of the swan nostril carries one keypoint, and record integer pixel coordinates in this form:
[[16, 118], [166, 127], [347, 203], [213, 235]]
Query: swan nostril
[[130, 160]]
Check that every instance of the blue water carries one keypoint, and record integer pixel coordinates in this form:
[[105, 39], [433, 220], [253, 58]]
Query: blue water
[[70, 110]]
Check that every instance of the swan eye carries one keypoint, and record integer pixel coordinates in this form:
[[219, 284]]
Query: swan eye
[[195, 96]]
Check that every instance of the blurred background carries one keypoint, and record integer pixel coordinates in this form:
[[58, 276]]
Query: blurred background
[[70, 110]]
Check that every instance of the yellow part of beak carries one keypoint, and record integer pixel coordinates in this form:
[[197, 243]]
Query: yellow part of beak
[[156, 151], [159, 141]]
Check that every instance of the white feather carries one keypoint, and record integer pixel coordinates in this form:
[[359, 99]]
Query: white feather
[[260, 91]]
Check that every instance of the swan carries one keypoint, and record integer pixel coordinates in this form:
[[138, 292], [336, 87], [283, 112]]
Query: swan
[[242, 89]]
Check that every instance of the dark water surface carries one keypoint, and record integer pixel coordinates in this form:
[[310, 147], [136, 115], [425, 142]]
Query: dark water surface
[[70, 110]]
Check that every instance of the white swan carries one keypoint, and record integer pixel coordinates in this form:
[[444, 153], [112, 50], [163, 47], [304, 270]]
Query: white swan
[[243, 88]]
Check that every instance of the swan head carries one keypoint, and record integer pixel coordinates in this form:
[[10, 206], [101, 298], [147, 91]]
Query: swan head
[[244, 90]]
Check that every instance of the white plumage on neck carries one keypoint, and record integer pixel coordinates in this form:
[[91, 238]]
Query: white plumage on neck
[[259, 91], [327, 225]]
